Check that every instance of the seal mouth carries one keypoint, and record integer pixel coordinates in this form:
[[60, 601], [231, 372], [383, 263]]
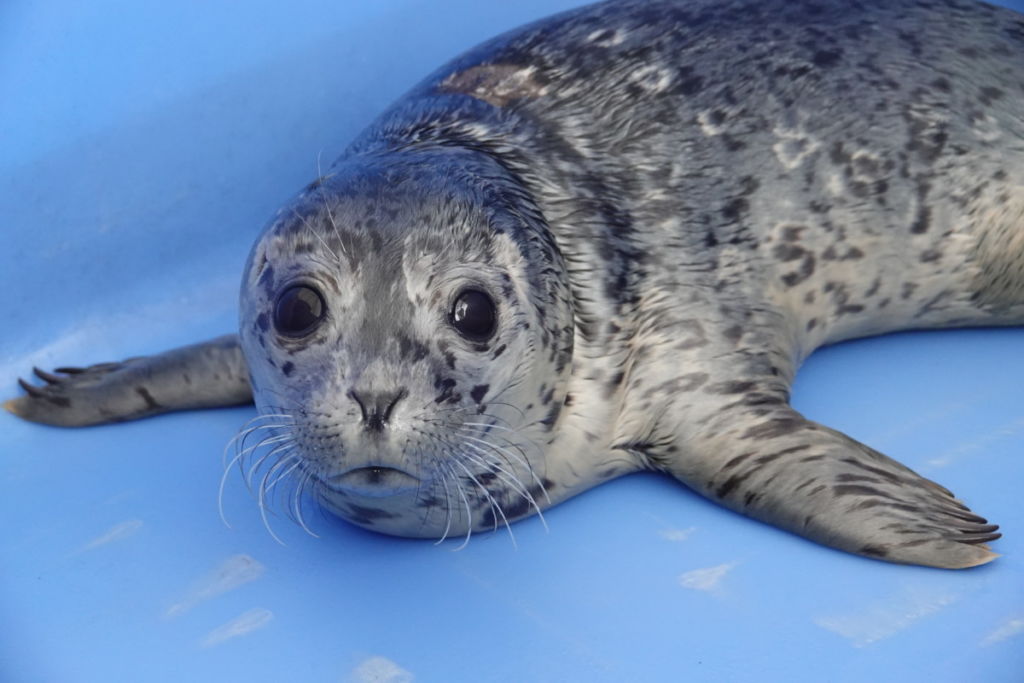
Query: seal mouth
[[374, 482]]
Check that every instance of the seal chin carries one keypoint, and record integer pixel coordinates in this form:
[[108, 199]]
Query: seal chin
[[374, 482]]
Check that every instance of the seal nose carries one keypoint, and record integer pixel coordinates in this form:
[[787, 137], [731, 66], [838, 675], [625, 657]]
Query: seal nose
[[376, 406]]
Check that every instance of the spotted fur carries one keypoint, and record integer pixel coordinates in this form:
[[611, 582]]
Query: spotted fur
[[674, 203]]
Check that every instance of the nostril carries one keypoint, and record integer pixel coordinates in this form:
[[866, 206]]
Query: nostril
[[376, 407], [362, 406], [392, 401]]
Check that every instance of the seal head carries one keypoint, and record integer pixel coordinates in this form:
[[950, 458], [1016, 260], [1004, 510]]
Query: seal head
[[395, 316]]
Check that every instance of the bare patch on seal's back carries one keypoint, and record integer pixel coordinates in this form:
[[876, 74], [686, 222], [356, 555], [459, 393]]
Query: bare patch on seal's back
[[497, 84]]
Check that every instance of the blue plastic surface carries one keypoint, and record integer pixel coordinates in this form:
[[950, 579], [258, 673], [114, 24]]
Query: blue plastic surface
[[144, 145]]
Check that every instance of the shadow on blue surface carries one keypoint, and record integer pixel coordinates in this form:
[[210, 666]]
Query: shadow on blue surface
[[142, 159]]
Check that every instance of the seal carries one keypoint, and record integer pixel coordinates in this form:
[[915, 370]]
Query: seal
[[603, 243]]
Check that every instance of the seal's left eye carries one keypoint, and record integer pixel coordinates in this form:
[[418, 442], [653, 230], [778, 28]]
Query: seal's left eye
[[474, 315], [299, 309]]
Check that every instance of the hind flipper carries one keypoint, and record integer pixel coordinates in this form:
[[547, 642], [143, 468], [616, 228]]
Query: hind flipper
[[819, 483], [205, 375]]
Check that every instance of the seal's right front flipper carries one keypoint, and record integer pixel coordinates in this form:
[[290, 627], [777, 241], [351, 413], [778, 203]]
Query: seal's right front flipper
[[206, 375], [820, 483]]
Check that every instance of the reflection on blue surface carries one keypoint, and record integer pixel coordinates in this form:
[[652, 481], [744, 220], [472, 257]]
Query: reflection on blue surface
[[144, 146]]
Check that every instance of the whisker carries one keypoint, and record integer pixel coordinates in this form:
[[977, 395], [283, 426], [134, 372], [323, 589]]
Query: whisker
[[297, 505], [521, 459], [263, 509], [330, 216], [447, 507], [295, 464], [515, 484], [244, 433], [494, 504], [288, 443], [465, 501], [316, 234], [281, 464], [220, 490]]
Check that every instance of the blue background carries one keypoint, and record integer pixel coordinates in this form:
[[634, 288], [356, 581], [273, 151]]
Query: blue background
[[143, 147]]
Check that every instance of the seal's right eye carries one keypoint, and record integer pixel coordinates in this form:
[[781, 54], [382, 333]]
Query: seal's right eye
[[473, 315], [299, 309]]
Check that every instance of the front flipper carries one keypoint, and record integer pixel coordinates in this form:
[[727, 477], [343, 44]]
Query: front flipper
[[206, 375], [814, 481]]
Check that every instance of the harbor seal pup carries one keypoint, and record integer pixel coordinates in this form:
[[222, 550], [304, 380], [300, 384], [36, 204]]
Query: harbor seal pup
[[603, 243]]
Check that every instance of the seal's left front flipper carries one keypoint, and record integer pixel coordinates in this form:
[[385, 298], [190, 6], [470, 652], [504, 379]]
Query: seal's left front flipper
[[814, 481], [206, 375]]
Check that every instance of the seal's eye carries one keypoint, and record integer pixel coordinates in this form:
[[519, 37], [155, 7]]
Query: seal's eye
[[299, 309], [473, 315]]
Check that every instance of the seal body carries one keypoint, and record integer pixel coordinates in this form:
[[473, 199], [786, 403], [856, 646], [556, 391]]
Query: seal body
[[604, 242]]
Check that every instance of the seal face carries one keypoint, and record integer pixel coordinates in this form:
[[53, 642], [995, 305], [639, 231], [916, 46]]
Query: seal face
[[413, 329], [603, 243]]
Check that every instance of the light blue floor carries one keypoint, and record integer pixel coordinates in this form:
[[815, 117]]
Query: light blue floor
[[142, 150]]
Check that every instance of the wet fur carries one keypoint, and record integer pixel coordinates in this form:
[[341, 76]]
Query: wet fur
[[675, 203]]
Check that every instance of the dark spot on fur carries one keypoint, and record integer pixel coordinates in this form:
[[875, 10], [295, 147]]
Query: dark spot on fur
[[789, 252], [856, 490], [827, 58], [266, 280], [838, 154], [922, 221], [809, 482], [874, 550], [691, 86], [774, 428], [733, 333], [732, 211], [791, 233], [732, 482], [765, 459], [613, 384], [805, 271], [989, 94], [732, 143], [479, 391], [736, 461], [147, 397], [850, 254], [367, 515], [288, 368], [445, 386], [727, 388]]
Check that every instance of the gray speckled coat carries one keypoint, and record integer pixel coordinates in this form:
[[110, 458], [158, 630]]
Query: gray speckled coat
[[673, 204]]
